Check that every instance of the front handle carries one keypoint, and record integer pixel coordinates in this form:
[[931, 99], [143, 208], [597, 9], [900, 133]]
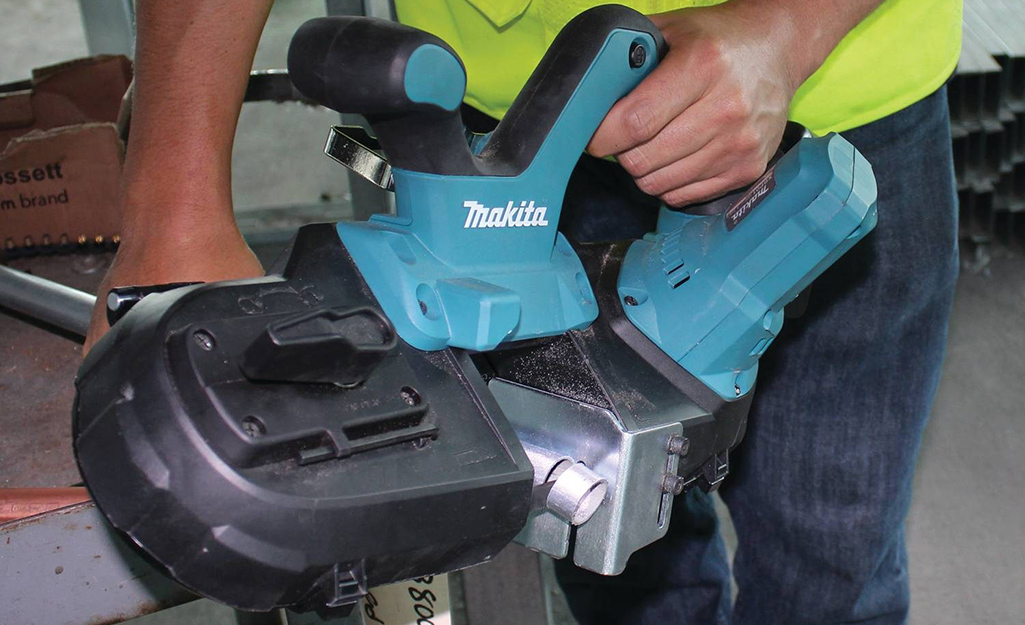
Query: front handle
[[409, 84], [406, 82]]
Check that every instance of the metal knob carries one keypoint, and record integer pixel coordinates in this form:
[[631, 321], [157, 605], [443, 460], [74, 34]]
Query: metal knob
[[576, 491]]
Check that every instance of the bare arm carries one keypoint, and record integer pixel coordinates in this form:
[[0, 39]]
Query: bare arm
[[192, 63], [710, 116]]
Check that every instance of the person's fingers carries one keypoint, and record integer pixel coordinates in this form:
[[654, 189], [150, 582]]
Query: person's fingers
[[646, 110], [691, 131], [734, 176], [710, 161], [699, 191]]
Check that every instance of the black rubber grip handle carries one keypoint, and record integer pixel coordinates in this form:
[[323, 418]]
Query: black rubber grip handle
[[359, 65], [406, 82], [547, 93]]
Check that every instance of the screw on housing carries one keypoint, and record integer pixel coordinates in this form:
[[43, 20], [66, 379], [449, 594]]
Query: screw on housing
[[637, 55]]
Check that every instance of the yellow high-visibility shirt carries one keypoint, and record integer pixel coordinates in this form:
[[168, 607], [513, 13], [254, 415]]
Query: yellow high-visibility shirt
[[902, 52]]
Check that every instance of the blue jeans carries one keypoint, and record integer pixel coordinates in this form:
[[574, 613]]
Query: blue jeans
[[821, 484]]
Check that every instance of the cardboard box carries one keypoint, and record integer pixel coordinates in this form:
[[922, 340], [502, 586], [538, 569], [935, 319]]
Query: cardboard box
[[60, 169]]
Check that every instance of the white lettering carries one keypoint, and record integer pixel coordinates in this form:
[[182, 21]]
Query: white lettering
[[477, 214], [509, 216], [539, 215]]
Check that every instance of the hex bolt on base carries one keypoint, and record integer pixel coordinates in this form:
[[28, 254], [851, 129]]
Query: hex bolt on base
[[679, 445], [673, 484]]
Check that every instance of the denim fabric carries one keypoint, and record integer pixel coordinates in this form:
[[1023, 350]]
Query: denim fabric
[[820, 487]]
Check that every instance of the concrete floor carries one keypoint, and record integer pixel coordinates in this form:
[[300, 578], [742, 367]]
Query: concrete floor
[[966, 529]]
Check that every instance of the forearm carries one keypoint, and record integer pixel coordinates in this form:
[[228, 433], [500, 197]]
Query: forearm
[[804, 32], [810, 29], [192, 63]]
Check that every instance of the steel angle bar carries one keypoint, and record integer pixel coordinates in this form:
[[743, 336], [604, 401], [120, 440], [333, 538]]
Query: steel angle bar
[[982, 214], [1006, 21], [978, 75], [69, 567]]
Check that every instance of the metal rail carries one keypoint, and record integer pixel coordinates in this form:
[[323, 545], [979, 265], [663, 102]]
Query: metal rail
[[45, 300], [69, 567]]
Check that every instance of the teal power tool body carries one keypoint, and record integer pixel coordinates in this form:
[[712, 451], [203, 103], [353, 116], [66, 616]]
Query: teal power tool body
[[407, 395], [473, 258]]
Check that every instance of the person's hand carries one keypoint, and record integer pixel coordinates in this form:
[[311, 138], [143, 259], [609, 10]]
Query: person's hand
[[207, 253], [710, 116], [192, 63]]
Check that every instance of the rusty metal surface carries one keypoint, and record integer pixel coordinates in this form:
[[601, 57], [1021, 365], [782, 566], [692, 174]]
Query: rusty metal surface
[[18, 503], [69, 567], [37, 373]]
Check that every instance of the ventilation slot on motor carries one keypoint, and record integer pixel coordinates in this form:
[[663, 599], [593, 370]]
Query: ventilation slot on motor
[[677, 275], [675, 269]]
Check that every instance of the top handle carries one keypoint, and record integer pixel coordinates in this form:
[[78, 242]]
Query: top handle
[[568, 70], [409, 84]]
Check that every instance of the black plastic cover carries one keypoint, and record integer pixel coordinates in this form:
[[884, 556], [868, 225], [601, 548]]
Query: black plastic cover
[[260, 488], [340, 346]]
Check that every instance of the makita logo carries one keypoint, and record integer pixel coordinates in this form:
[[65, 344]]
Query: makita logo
[[508, 216], [754, 196]]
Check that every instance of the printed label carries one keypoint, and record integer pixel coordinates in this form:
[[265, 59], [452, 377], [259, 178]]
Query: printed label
[[509, 216], [750, 201], [45, 171]]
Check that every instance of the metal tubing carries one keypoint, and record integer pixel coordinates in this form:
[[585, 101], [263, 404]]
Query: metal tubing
[[45, 300]]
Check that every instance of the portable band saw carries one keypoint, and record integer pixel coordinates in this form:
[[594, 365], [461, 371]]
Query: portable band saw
[[406, 395]]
